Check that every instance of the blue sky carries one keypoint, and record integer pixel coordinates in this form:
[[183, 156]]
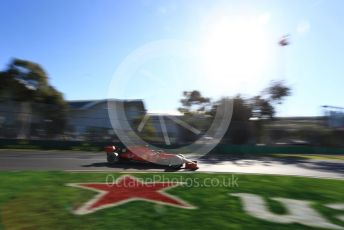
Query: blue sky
[[219, 47]]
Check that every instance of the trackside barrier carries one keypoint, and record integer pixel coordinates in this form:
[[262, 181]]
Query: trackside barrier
[[219, 149], [252, 149]]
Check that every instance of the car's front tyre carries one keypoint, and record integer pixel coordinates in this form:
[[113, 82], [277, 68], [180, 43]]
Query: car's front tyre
[[112, 157]]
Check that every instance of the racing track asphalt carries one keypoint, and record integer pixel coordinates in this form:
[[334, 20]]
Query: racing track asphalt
[[95, 161]]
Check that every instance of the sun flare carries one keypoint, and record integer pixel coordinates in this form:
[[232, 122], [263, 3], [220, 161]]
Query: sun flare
[[234, 53]]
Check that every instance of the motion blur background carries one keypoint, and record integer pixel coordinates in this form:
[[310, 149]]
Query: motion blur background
[[279, 61]]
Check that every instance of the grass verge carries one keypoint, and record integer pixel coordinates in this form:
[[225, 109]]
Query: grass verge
[[41, 200]]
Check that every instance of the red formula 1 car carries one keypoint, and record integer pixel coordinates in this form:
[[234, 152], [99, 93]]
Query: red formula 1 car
[[116, 154]]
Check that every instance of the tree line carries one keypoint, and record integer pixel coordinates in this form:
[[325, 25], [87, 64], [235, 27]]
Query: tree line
[[249, 114], [27, 83]]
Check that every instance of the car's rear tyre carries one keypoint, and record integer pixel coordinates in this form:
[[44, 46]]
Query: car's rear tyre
[[112, 157]]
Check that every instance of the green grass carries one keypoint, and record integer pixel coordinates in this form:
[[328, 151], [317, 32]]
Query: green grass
[[40, 200]]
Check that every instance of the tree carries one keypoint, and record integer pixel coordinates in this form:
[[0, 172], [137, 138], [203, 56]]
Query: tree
[[194, 103], [196, 111], [239, 129], [258, 108], [264, 105], [27, 82], [277, 91]]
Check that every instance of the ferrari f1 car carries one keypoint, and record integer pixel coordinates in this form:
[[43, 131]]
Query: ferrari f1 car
[[117, 154]]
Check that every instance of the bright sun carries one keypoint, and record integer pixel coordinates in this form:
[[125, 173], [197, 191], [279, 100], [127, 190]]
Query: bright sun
[[234, 53]]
